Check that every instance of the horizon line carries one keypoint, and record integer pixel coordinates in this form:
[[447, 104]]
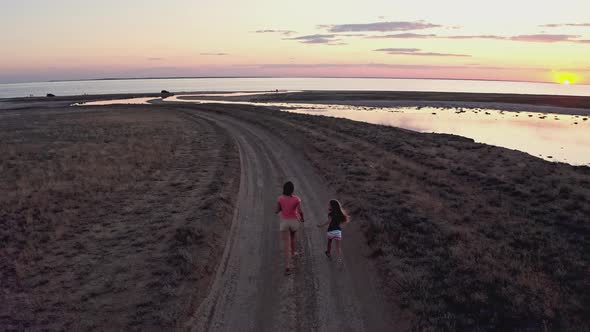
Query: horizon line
[[263, 76]]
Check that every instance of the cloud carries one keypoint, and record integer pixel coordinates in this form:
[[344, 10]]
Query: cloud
[[433, 36], [379, 26], [545, 38], [351, 35], [405, 50], [282, 32], [417, 52], [537, 38], [380, 65], [155, 59], [559, 25], [215, 54], [572, 69], [327, 39], [404, 36], [348, 65], [475, 37]]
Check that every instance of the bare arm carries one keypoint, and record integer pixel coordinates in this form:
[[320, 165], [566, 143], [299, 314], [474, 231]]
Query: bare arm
[[278, 208], [300, 211], [324, 224]]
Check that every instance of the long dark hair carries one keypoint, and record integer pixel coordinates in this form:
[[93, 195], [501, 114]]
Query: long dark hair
[[288, 188], [337, 213]]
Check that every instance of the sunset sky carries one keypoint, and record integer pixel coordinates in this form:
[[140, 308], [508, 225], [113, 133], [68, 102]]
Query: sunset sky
[[526, 40]]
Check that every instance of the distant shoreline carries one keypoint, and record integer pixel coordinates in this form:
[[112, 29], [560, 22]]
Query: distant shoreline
[[270, 77], [575, 105]]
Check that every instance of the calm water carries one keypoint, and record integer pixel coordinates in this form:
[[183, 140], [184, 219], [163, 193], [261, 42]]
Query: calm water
[[555, 137], [266, 84]]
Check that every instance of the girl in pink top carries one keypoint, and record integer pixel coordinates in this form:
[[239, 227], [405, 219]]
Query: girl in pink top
[[289, 207]]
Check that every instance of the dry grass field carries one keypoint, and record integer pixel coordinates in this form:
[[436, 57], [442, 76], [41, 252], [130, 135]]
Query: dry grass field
[[110, 216], [468, 237]]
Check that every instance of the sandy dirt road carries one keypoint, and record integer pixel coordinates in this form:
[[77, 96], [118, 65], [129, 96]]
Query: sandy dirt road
[[250, 292]]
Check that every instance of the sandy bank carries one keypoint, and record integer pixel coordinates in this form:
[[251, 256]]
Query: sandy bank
[[507, 102]]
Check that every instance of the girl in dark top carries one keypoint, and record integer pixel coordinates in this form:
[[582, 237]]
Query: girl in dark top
[[336, 218]]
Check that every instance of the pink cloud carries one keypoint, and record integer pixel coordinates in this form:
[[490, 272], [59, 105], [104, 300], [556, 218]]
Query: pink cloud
[[544, 38], [559, 25], [404, 36], [417, 52], [282, 32], [475, 37], [460, 71]]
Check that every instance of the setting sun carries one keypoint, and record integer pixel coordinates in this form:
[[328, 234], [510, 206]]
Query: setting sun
[[566, 78]]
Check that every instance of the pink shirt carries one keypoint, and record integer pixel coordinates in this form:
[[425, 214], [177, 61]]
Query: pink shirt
[[289, 205]]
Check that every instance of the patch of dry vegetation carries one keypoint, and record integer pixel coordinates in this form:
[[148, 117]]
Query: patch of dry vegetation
[[110, 219], [467, 236]]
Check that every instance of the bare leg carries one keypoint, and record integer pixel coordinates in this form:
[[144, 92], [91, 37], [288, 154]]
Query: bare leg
[[329, 246], [339, 250], [292, 236], [285, 236]]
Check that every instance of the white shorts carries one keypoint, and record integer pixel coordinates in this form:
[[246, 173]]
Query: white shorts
[[334, 235]]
